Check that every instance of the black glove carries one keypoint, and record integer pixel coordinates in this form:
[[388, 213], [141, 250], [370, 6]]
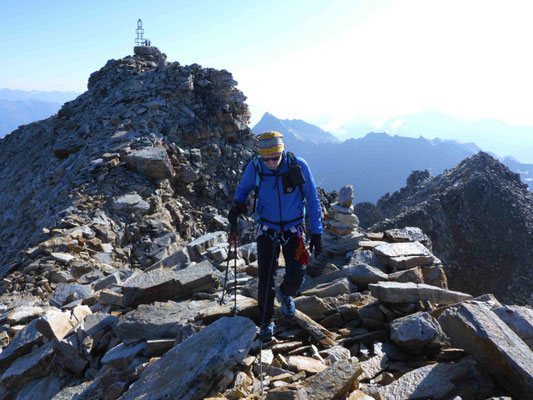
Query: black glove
[[236, 209], [316, 244]]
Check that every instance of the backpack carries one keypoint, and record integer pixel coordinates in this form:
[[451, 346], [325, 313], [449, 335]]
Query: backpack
[[291, 163]]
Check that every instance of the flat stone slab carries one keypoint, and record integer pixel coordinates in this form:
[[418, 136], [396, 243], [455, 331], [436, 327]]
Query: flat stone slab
[[165, 284], [188, 370], [158, 320], [23, 314], [131, 203], [408, 292], [122, 352], [21, 344], [29, 367], [401, 249], [334, 382], [430, 382], [493, 344], [307, 364], [360, 275], [519, 319]]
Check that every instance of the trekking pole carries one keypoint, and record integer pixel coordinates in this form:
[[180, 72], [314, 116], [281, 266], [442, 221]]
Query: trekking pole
[[275, 243], [227, 268], [235, 271]]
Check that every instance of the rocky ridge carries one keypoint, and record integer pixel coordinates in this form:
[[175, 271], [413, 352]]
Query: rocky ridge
[[480, 217], [122, 176], [113, 277]]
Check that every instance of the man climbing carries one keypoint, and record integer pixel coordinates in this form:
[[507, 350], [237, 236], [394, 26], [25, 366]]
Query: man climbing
[[282, 182]]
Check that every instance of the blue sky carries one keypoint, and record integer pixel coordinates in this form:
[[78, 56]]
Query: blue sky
[[322, 61]]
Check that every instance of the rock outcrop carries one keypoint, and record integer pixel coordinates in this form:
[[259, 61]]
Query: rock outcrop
[[479, 216]]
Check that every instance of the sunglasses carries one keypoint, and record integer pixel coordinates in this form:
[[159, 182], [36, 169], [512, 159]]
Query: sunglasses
[[267, 159]]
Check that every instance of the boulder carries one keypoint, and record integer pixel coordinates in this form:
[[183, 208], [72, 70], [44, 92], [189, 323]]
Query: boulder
[[493, 344], [334, 382], [151, 161], [198, 247], [416, 332], [408, 292], [189, 370], [165, 284]]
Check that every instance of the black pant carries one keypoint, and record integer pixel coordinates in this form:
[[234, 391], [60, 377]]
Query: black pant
[[267, 256]]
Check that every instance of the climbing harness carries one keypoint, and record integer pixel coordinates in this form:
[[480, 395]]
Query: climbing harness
[[232, 241]]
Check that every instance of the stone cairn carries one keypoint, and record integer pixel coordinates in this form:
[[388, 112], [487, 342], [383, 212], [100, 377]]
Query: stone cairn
[[113, 272]]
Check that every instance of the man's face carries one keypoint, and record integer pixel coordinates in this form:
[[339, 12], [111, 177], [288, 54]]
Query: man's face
[[272, 160]]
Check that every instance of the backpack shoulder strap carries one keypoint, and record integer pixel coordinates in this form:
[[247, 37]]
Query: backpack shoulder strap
[[258, 174]]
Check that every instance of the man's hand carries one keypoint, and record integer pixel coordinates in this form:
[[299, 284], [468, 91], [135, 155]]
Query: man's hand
[[316, 244], [237, 209]]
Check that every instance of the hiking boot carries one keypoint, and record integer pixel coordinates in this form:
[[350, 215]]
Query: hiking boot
[[287, 303], [266, 332]]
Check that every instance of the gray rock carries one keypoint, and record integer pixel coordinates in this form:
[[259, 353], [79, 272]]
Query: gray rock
[[408, 292], [151, 161], [313, 306], [367, 257], [401, 249], [66, 293], [493, 344], [334, 382], [329, 289], [107, 281], [24, 314], [410, 275], [122, 352], [63, 258], [43, 388], [159, 321], [416, 332], [131, 203], [408, 234], [21, 344], [165, 284], [438, 381], [360, 275], [346, 196], [198, 247], [177, 259], [29, 367], [519, 319], [189, 370]]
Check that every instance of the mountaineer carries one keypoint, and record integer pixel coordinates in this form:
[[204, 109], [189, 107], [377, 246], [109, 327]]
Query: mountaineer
[[282, 182]]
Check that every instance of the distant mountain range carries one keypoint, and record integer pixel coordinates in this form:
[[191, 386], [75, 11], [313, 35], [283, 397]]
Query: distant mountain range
[[295, 131], [378, 163], [18, 107], [492, 135]]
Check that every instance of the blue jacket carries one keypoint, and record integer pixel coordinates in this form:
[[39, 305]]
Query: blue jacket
[[274, 205]]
